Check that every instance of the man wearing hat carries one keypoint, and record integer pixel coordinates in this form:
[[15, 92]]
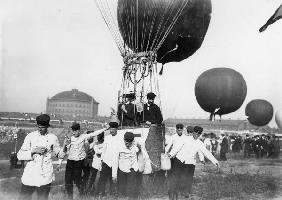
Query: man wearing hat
[[76, 155], [125, 166], [111, 144], [127, 111], [176, 143], [190, 130], [151, 113], [37, 150], [187, 156]]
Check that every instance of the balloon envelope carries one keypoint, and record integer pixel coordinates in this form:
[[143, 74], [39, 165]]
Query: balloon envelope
[[143, 25], [259, 112], [220, 90], [278, 118]]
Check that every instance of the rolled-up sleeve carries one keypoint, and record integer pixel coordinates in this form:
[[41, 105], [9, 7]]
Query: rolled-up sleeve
[[95, 133], [208, 154], [25, 150], [58, 150]]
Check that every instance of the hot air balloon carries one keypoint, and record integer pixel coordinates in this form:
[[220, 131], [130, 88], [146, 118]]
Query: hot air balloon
[[220, 91], [259, 112], [148, 32], [172, 29], [278, 118]]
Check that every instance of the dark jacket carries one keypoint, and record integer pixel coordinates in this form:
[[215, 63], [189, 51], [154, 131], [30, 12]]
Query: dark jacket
[[152, 114]]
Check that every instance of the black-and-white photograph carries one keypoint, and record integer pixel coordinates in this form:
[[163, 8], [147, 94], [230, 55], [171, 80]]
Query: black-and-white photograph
[[140, 99]]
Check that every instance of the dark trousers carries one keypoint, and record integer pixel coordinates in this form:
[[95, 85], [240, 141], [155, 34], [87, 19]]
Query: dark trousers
[[92, 178], [127, 184], [189, 175], [105, 175], [85, 178], [176, 182], [223, 155], [27, 191], [73, 175]]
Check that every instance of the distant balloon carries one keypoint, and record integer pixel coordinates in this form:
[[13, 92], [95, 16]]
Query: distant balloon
[[278, 118], [259, 112], [220, 91]]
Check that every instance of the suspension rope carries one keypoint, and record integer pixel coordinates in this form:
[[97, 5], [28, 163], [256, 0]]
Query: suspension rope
[[172, 24], [165, 10]]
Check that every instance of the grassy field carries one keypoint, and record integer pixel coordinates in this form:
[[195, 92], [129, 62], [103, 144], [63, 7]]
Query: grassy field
[[238, 179]]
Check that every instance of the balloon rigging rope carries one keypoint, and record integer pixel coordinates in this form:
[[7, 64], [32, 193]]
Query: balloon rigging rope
[[113, 25], [184, 3], [160, 23], [163, 25], [129, 36], [152, 24], [144, 27], [109, 24], [122, 29]]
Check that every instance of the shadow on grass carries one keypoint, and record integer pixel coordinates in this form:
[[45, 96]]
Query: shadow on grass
[[235, 186]]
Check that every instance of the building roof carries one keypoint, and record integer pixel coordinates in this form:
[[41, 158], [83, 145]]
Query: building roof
[[74, 95]]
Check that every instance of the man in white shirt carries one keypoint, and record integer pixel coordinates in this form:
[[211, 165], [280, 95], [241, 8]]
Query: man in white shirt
[[177, 167], [76, 156], [111, 144], [37, 151], [187, 155], [125, 167]]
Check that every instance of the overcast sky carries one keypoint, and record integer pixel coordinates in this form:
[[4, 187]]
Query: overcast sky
[[49, 46]]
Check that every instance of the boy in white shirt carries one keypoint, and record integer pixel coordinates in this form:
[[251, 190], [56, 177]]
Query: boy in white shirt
[[96, 164], [76, 156], [177, 167], [125, 167], [37, 151], [111, 143], [187, 155]]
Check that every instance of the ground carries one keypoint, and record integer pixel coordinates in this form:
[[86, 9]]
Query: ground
[[238, 178]]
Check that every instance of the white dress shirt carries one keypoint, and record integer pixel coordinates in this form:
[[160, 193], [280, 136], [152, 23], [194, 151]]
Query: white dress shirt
[[191, 148], [175, 144], [125, 159], [97, 160], [39, 168], [111, 145]]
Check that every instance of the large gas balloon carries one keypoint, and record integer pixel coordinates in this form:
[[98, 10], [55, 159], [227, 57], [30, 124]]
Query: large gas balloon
[[259, 112], [220, 91], [143, 25]]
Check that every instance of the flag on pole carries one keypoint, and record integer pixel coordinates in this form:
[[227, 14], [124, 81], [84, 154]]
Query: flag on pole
[[277, 15]]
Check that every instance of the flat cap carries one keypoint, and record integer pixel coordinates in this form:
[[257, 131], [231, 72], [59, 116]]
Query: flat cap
[[190, 129], [75, 126], [129, 136], [198, 129], [179, 126], [43, 120]]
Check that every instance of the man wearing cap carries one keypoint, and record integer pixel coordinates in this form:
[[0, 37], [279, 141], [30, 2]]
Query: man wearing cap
[[76, 155], [174, 146], [151, 113], [37, 150], [127, 111], [187, 156], [111, 144], [125, 166], [177, 140], [190, 130]]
